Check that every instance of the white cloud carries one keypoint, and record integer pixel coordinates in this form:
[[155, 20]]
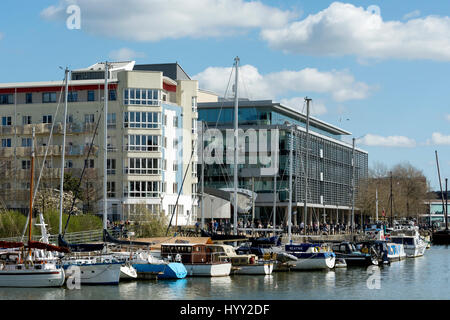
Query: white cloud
[[390, 141], [344, 29], [447, 117], [411, 15], [124, 54], [339, 84], [153, 20], [297, 103], [439, 139]]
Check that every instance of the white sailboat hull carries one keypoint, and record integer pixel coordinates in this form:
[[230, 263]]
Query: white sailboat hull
[[314, 264], [208, 270], [99, 273], [261, 269], [32, 278], [127, 273]]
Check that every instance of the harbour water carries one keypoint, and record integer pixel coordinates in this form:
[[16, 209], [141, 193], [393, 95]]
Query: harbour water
[[420, 278]]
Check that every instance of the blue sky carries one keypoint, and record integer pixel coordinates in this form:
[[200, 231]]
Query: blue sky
[[386, 71]]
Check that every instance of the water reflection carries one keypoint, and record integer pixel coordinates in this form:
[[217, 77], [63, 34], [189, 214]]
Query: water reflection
[[424, 277]]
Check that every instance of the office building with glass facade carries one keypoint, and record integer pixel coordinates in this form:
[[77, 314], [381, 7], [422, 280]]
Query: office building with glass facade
[[330, 169]]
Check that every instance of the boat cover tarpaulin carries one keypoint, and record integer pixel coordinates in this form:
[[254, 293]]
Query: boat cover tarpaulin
[[46, 246], [108, 238], [10, 244], [80, 247]]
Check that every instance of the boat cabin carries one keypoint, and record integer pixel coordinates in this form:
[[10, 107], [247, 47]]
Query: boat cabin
[[190, 253], [344, 247]]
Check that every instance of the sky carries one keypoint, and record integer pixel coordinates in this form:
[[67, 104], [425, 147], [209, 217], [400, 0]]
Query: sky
[[378, 69]]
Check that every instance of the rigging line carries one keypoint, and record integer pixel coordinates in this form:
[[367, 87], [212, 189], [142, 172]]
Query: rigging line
[[181, 188], [224, 96], [43, 163], [77, 190]]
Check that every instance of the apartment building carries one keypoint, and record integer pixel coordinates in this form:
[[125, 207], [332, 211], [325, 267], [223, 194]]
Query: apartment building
[[151, 138]]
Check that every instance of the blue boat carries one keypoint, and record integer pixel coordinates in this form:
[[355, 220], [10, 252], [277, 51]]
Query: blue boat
[[311, 256], [171, 270]]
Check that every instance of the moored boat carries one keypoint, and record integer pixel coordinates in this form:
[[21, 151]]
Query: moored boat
[[243, 263], [198, 259], [414, 245], [311, 256], [353, 257], [27, 273]]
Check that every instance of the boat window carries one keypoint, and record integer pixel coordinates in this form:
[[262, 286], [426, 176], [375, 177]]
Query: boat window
[[38, 267]]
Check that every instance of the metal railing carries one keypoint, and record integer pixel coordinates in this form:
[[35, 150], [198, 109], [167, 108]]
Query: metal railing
[[73, 237]]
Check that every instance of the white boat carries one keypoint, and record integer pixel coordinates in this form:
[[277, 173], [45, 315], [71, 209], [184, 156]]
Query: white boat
[[395, 251], [127, 272], [18, 264], [340, 263], [243, 263], [414, 245], [95, 270], [311, 257], [14, 272], [198, 259]]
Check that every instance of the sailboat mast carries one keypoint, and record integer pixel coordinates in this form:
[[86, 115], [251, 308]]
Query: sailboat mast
[[444, 209], [308, 100], [30, 217], [202, 207], [236, 108], [63, 151], [290, 184], [105, 149]]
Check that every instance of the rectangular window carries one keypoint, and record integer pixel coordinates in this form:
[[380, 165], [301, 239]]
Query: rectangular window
[[141, 97], [6, 121], [143, 189], [47, 119], [111, 120], [26, 142], [26, 164], [6, 143], [88, 118], [28, 97], [111, 166], [146, 120], [91, 95], [48, 97], [6, 99], [26, 120], [175, 121], [89, 163], [143, 143], [175, 188], [112, 95], [68, 164], [143, 166], [111, 189], [72, 96]]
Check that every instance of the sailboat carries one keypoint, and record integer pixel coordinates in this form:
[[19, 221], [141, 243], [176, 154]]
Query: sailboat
[[95, 268], [442, 236], [20, 265]]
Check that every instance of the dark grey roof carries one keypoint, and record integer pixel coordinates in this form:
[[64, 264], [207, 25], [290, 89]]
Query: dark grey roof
[[170, 70]]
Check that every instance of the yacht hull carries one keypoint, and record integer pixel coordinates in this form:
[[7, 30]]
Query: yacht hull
[[32, 278]]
